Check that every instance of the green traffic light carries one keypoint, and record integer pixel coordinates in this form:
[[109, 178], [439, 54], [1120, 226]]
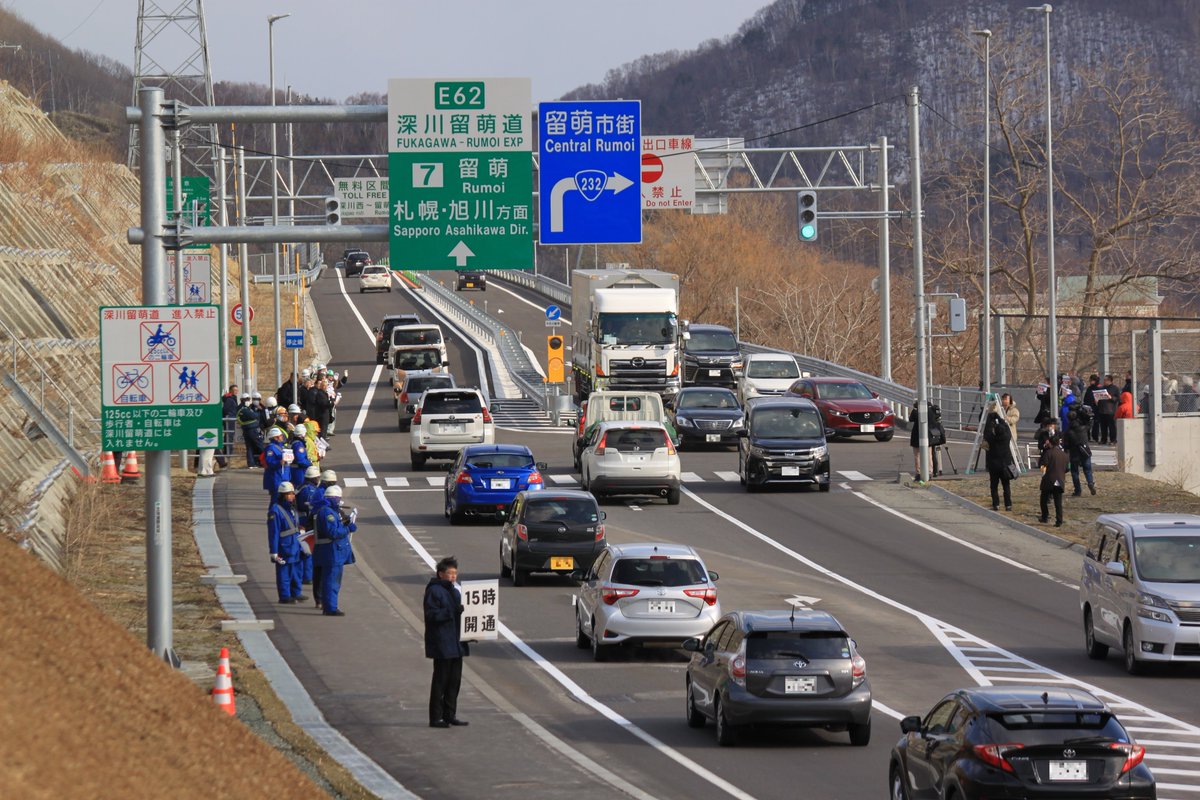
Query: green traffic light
[[808, 232]]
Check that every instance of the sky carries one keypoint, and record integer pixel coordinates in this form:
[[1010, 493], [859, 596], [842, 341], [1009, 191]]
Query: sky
[[336, 48]]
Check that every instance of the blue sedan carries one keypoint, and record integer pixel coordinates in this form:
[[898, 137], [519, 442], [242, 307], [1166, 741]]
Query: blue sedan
[[485, 478]]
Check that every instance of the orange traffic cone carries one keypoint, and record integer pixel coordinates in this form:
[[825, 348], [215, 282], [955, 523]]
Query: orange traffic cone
[[109, 464], [129, 472], [222, 693]]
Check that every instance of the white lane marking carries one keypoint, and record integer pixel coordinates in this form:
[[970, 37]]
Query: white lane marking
[[944, 631], [727, 476], [566, 682], [354, 483], [853, 475], [529, 302], [891, 712], [690, 477], [437, 480], [965, 543], [412, 491], [356, 433], [569, 480], [395, 483]]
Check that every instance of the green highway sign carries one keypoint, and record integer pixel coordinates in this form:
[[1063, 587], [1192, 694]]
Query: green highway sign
[[460, 174], [195, 202], [253, 340], [159, 377]]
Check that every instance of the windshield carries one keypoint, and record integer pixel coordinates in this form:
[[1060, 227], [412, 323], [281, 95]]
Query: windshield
[[772, 369], [708, 398], [406, 338], [1168, 559], [712, 340], [637, 328], [1055, 727], [501, 461], [451, 403], [843, 391], [425, 358], [787, 423], [812, 645], [659, 571]]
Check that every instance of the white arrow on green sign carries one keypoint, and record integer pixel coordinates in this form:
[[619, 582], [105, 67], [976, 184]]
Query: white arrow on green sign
[[460, 173]]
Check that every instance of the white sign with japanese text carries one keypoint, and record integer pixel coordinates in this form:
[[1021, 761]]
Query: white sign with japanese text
[[197, 277], [362, 197], [668, 172], [481, 610]]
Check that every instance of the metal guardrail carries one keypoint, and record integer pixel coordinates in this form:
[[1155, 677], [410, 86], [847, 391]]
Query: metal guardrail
[[316, 262], [36, 375], [558, 292]]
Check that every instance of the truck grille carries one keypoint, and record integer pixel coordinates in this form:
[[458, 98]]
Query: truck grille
[[1188, 616], [637, 372], [792, 458], [866, 417]]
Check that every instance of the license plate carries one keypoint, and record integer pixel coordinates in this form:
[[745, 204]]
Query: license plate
[[790, 472], [714, 373], [866, 428], [1068, 771], [712, 437], [661, 606], [470, 285], [562, 562], [454, 427], [501, 483], [799, 685]]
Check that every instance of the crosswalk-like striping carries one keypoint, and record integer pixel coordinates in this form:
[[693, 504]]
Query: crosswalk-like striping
[[401, 482]]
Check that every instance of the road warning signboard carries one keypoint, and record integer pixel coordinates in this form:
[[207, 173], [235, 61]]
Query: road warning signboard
[[668, 172], [157, 365]]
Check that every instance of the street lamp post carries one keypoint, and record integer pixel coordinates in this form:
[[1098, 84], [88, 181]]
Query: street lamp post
[[1052, 310], [985, 358], [271, 20]]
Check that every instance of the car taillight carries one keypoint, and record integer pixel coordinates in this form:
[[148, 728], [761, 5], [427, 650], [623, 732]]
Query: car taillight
[[737, 666], [858, 670], [599, 533], [997, 754], [416, 420], [535, 477], [611, 594], [404, 397], [709, 596], [600, 446], [486, 416], [463, 477], [1134, 753], [522, 532], [599, 371], [670, 446]]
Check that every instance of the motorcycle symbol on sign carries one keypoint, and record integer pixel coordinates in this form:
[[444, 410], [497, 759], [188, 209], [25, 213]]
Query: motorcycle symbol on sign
[[160, 341]]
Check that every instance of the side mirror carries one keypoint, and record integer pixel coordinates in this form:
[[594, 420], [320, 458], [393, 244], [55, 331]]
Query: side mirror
[[714, 577], [542, 466], [910, 725], [578, 575], [742, 433], [375, 329], [603, 516], [692, 645], [1115, 568], [875, 395], [447, 363]]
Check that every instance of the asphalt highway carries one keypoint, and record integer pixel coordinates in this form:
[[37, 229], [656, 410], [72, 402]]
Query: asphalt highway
[[934, 597]]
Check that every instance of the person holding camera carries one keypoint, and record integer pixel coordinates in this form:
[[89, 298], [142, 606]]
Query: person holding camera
[[937, 437]]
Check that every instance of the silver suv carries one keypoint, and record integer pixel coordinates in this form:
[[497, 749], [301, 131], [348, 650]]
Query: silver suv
[[634, 458], [638, 593], [1140, 588], [446, 421]]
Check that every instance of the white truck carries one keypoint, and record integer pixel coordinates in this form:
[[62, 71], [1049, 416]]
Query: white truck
[[625, 331]]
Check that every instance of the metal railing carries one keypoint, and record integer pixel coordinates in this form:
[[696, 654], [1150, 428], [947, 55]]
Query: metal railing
[[558, 292], [24, 363], [262, 269]]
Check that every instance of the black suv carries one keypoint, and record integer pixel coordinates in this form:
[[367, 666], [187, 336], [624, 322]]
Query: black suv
[[471, 279], [383, 333], [354, 261], [558, 531], [783, 442], [1018, 741], [792, 668], [711, 356]]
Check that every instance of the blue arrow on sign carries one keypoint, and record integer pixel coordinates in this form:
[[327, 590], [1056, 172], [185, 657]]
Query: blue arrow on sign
[[590, 160], [553, 312]]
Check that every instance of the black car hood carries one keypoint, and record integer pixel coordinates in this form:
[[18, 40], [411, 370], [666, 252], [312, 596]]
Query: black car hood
[[787, 444]]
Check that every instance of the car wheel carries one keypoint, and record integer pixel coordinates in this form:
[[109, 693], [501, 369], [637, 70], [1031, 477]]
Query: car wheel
[[1133, 664], [400, 425], [406, 425], [673, 496], [504, 570], [455, 517], [726, 735], [860, 735], [520, 577], [695, 719], [884, 437], [581, 639], [1095, 650], [418, 461], [741, 474], [361, 290], [599, 651], [824, 487], [395, 403], [896, 784], [584, 482], [389, 290]]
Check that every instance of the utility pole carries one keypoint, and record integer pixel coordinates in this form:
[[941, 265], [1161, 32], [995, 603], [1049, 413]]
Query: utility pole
[[914, 138], [885, 279], [985, 353]]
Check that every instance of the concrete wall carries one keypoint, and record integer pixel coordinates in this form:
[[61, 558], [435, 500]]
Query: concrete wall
[[1178, 451]]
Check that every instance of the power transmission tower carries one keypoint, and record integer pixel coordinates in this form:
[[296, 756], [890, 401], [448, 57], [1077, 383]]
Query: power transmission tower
[[172, 53]]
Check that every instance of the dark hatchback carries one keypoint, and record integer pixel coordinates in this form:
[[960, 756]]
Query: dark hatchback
[[1018, 742], [705, 415], [383, 332], [711, 356], [558, 531], [791, 668], [783, 442], [471, 279]]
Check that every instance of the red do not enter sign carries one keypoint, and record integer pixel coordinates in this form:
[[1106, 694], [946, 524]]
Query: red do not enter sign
[[652, 168]]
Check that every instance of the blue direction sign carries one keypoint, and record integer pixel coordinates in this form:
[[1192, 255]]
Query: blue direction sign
[[293, 338], [590, 154], [553, 312]]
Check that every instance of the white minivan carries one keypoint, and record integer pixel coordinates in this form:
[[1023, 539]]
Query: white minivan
[[446, 421], [1140, 589]]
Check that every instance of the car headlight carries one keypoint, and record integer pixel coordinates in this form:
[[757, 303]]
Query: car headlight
[[1150, 613], [683, 422], [838, 412], [736, 364], [750, 389], [740, 422], [820, 452]]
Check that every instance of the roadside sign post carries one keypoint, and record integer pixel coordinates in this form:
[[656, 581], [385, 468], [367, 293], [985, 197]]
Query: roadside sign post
[[481, 610], [293, 339], [362, 198], [460, 174], [197, 276], [589, 155]]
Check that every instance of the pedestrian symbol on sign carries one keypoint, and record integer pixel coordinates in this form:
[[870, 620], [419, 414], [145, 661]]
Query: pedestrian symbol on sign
[[190, 383]]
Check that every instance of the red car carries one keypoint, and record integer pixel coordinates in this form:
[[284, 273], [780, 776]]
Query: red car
[[849, 407]]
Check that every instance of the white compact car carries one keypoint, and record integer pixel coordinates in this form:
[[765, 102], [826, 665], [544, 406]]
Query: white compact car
[[446, 421], [644, 593], [635, 458], [1140, 588], [374, 276], [767, 375]]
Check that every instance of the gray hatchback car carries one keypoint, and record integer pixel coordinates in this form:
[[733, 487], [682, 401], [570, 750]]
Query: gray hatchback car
[[791, 668]]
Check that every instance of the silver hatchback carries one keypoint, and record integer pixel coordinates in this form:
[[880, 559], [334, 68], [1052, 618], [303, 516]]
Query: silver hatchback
[[645, 593]]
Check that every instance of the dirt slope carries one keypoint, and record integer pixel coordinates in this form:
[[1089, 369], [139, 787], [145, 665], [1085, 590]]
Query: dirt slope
[[87, 711]]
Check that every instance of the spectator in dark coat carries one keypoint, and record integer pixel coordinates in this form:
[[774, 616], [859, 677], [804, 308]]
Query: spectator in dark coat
[[1045, 403], [1079, 451], [443, 609], [1106, 412], [999, 460], [937, 437], [1054, 475], [1089, 399], [283, 395], [320, 407]]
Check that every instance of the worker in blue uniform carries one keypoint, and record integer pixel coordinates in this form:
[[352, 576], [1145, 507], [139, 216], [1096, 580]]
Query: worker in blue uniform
[[283, 540], [275, 460], [300, 459], [306, 498], [333, 548]]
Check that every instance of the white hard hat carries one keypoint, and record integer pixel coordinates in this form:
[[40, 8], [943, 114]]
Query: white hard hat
[[329, 476], [293, 409], [271, 434], [304, 373], [246, 396], [312, 472], [285, 487], [258, 395], [300, 431], [333, 491], [272, 402]]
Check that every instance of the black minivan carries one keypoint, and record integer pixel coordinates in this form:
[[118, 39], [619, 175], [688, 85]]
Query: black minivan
[[711, 356], [783, 442]]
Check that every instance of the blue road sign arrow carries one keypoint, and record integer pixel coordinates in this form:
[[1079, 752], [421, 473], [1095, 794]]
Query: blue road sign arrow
[[553, 312], [589, 183]]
